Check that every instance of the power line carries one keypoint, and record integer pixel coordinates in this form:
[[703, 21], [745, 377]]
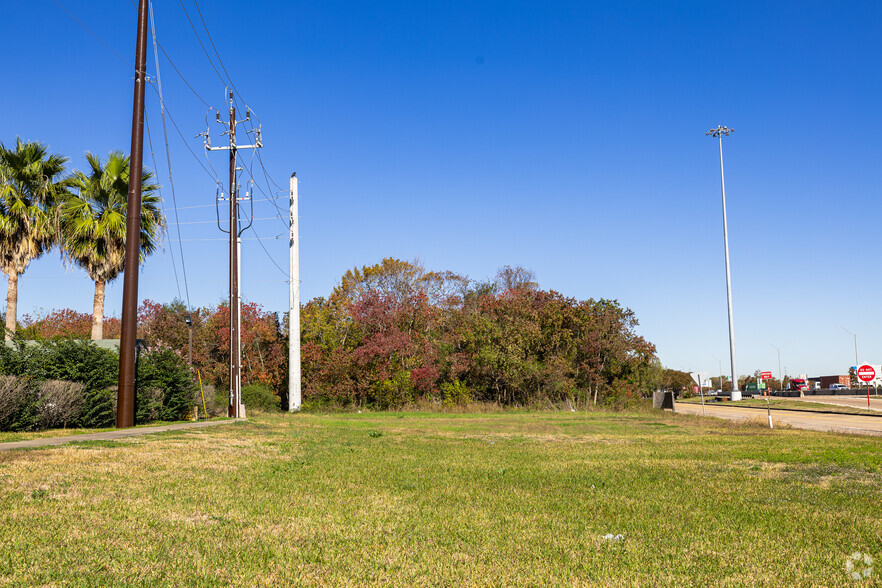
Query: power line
[[162, 203], [187, 145], [200, 43], [219, 60], [100, 40], [236, 90], [168, 160], [284, 273], [211, 222], [172, 63]]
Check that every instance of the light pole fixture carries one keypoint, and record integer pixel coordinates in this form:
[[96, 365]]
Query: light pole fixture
[[856, 364], [780, 373], [718, 133]]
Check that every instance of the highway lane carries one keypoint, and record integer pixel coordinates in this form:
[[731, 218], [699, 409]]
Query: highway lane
[[838, 423], [852, 401]]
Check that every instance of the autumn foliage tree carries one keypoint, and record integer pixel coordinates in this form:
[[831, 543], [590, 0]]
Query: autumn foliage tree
[[393, 332]]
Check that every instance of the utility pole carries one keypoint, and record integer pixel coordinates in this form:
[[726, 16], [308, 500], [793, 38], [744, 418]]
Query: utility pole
[[294, 303], [235, 397], [718, 133], [125, 396]]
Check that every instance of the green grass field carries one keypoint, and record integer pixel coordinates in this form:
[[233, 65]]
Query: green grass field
[[498, 499]]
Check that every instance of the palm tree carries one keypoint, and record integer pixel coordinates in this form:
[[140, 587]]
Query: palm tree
[[31, 185], [93, 224]]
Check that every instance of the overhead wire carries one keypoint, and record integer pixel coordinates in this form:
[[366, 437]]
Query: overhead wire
[[219, 60], [168, 158], [100, 40], [235, 90], [198, 38], [162, 203], [165, 110]]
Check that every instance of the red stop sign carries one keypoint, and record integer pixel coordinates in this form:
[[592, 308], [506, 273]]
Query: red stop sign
[[866, 373]]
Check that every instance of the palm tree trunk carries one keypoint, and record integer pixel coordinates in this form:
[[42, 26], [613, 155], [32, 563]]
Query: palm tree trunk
[[11, 304], [98, 311]]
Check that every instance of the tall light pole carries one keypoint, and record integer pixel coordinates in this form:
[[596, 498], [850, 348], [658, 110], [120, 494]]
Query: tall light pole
[[780, 373], [856, 364], [718, 133]]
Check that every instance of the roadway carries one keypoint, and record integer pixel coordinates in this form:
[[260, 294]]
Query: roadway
[[837, 423], [852, 401]]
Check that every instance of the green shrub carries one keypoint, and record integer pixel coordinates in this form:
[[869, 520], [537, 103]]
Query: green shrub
[[393, 392], [99, 409], [73, 361], [165, 370], [456, 393], [260, 397]]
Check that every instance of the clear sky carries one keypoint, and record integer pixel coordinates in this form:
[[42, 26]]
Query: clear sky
[[567, 137]]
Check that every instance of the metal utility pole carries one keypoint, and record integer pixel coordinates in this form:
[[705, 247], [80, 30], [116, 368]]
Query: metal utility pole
[[125, 396], [718, 133], [235, 397], [294, 304]]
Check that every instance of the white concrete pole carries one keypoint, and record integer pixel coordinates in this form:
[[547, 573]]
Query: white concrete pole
[[239, 405], [294, 305]]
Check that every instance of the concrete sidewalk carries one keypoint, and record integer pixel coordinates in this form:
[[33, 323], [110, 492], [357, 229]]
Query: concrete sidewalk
[[108, 435]]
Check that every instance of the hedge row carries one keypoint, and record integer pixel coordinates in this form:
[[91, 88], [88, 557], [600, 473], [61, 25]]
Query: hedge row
[[72, 383]]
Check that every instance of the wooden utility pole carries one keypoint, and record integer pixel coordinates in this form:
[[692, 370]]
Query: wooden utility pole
[[235, 397], [125, 407]]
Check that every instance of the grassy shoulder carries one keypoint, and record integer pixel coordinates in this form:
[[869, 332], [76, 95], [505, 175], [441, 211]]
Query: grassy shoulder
[[787, 403], [513, 498]]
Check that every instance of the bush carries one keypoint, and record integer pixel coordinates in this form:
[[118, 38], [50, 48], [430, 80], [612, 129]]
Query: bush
[[165, 370], [456, 393], [73, 361], [60, 403], [393, 392], [215, 401], [19, 404], [148, 405], [99, 409], [260, 397]]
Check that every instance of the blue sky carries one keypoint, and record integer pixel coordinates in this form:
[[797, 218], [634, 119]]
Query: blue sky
[[567, 137]]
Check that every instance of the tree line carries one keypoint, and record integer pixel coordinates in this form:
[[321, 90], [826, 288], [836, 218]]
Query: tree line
[[393, 333], [83, 213]]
